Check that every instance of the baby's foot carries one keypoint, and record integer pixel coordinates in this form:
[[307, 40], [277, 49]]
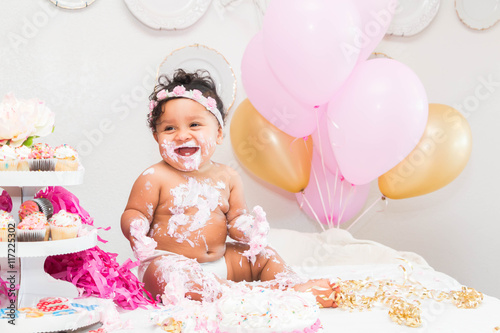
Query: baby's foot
[[325, 292]]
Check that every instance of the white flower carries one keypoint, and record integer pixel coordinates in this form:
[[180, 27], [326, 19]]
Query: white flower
[[44, 119], [22, 119]]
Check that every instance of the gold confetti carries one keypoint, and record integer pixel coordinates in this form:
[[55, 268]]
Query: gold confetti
[[405, 313], [467, 298], [402, 299]]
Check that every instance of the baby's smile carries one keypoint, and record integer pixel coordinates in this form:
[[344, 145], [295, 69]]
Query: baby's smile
[[186, 151]]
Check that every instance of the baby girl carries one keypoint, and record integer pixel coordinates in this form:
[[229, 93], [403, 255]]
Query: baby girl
[[181, 209]]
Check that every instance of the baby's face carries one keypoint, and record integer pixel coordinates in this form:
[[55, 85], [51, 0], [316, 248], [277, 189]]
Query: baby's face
[[187, 134]]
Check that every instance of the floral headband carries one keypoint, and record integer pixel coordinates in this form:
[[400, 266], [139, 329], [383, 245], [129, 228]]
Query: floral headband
[[179, 91]]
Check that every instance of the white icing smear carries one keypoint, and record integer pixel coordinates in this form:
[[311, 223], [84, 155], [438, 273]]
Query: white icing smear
[[188, 162], [150, 209], [182, 275], [144, 246], [148, 185], [255, 228], [149, 171], [241, 309], [192, 316], [263, 310], [201, 195]]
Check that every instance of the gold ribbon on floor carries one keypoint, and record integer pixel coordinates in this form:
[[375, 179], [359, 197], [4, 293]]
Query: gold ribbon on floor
[[402, 299]]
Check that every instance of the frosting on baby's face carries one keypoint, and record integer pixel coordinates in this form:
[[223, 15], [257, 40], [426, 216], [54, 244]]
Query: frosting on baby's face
[[187, 134]]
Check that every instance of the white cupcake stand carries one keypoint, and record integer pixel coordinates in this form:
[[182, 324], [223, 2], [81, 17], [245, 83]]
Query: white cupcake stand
[[34, 283]]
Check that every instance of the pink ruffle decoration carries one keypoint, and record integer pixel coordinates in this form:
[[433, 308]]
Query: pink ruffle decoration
[[61, 198], [96, 273], [4, 290], [5, 202]]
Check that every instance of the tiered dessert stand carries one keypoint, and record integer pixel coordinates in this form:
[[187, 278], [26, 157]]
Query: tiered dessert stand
[[34, 283]]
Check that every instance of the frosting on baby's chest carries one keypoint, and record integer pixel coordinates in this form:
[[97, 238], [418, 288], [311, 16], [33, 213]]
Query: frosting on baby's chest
[[191, 205]]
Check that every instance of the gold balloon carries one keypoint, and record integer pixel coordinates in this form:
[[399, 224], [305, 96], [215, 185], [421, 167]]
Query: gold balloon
[[269, 153], [440, 156]]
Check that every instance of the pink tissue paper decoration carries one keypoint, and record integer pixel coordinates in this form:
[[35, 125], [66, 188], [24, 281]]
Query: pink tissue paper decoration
[[5, 202], [61, 198], [4, 290], [97, 273]]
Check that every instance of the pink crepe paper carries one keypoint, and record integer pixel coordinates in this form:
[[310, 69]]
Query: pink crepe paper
[[5, 202], [4, 290], [61, 198], [96, 273]]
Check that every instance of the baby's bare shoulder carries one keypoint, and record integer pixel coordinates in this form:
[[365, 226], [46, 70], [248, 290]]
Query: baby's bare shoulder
[[229, 175], [154, 174], [219, 167]]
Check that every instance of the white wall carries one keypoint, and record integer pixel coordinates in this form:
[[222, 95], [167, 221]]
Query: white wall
[[87, 64]]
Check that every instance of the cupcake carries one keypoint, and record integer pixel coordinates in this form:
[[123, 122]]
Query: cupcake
[[6, 221], [41, 158], [64, 225], [66, 158], [36, 205], [28, 207], [23, 153], [33, 228], [8, 158]]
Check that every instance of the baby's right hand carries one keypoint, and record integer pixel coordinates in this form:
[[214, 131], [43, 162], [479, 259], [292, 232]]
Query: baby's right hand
[[143, 247]]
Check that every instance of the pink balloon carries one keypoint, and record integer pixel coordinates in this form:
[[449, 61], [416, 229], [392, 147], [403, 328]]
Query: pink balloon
[[269, 97], [303, 42], [322, 144], [329, 197], [376, 119], [376, 16]]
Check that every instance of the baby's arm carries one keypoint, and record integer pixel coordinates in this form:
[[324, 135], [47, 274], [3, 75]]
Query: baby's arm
[[244, 227], [237, 211], [139, 212]]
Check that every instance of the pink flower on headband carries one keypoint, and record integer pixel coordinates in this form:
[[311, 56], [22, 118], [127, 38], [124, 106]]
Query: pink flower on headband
[[162, 94], [211, 102], [152, 105], [197, 94], [179, 90]]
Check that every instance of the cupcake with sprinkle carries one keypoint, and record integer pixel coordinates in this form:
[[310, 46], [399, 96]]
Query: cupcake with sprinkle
[[66, 158], [33, 228], [42, 158], [23, 154], [64, 225]]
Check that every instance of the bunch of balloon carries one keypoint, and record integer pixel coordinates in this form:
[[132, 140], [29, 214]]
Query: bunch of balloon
[[440, 156], [306, 73]]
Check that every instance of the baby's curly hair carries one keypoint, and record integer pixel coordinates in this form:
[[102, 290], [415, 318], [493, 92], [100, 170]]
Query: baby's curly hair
[[199, 79]]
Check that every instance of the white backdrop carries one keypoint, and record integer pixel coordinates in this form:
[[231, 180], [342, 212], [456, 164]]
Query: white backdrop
[[95, 67]]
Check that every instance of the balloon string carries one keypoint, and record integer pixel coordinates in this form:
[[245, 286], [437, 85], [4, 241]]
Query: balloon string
[[328, 217], [352, 190], [341, 197], [335, 191], [291, 143], [366, 210], [312, 210], [321, 197]]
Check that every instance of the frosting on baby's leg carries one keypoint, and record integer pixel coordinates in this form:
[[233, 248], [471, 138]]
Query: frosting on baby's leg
[[183, 276]]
